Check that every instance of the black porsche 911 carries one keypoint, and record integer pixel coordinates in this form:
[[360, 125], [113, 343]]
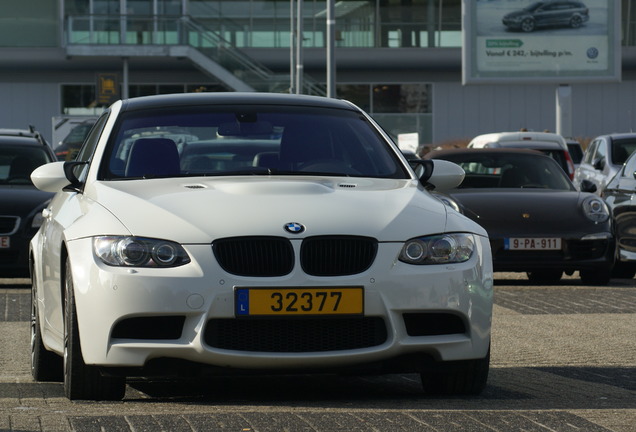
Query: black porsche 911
[[536, 220], [21, 204]]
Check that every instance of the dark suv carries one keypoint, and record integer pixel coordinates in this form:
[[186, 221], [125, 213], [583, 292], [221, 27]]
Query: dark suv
[[547, 13], [21, 204]]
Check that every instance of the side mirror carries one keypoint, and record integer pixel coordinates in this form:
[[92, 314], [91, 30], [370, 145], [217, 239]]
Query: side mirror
[[588, 186], [599, 164], [56, 176], [438, 174]]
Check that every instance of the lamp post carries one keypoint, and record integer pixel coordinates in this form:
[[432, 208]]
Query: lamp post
[[331, 58]]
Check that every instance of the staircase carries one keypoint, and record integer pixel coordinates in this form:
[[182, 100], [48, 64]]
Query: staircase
[[183, 37]]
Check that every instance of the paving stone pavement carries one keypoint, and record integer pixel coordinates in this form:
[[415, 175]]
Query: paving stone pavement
[[563, 359]]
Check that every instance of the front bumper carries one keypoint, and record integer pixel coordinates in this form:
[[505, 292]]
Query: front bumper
[[128, 317]]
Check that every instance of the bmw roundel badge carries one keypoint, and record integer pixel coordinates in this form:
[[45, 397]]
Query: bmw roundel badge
[[294, 228]]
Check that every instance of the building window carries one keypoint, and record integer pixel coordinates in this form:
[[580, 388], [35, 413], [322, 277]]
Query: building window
[[79, 99], [398, 108]]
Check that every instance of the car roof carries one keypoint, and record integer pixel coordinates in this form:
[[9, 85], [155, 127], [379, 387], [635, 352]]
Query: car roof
[[527, 136], [20, 140], [440, 153], [232, 98], [543, 145], [23, 133], [619, 135]]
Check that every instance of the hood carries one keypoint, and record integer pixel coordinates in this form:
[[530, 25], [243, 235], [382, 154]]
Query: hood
[[524, 212], [201, 210], [21, 200]]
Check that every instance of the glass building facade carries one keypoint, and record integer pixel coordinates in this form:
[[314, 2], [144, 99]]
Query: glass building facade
[[400, 105], [248, 23]]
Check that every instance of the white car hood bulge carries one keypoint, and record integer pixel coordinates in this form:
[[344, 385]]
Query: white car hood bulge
[[201, 210]]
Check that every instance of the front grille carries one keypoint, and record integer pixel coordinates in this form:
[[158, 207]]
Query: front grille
[[9, 224], [274, 256], [295, 334], [255, 256], [337, 255]]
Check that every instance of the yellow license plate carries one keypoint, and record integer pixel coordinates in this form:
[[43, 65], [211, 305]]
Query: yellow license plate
[[299, 301]]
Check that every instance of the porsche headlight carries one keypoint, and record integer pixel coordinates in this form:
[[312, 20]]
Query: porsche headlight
[[438, 249], [595, 209], [125, 251]]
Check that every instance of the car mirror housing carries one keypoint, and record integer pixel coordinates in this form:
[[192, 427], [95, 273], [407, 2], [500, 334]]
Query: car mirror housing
[[55, 176], [440, 175], [599, 164]]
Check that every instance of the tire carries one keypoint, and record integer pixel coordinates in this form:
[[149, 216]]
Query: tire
[[576, 21], [82, 381], [545, 277], [466, 377], [45, 364], [527, 25], [624, 270], [595, 276]]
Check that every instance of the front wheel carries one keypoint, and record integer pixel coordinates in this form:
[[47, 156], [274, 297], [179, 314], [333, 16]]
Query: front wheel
[[82, 381], [527, 25], [576, 21], [595, 276], [45, 364], [624, 270], [465, 377], [545, 277]]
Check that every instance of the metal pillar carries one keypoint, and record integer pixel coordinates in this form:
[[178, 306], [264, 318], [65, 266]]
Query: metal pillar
[[331, 44], [564, 110], [299, 47], [124, 84], [292, 47]]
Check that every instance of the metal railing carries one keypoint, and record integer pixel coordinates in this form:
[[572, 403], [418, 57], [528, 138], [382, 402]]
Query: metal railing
[[184, 31]]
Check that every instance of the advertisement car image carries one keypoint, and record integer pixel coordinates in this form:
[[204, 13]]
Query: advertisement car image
[[253, 232], [550, 13]]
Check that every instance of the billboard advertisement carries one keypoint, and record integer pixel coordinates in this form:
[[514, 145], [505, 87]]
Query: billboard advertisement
[[549, 41]]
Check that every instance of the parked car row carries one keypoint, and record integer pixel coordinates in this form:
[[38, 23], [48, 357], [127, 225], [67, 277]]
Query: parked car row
[[278, 233], [606, 168]]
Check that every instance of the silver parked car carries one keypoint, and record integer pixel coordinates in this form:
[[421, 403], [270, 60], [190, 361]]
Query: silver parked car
[[620, 195], [603, 158]]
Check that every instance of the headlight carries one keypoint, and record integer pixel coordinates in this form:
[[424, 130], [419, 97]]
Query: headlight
[[438, 249], [595, 209], [123, 251]]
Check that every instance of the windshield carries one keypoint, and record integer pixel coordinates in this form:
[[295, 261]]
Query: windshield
[[242, 140], [18, 162], [534, 6], [506, 171]]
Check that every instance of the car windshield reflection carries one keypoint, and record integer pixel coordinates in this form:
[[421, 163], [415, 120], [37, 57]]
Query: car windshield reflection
[[264, 141]]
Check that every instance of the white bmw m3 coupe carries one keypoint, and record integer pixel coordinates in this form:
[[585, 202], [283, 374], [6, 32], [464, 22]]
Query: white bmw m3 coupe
[[253, 232]]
